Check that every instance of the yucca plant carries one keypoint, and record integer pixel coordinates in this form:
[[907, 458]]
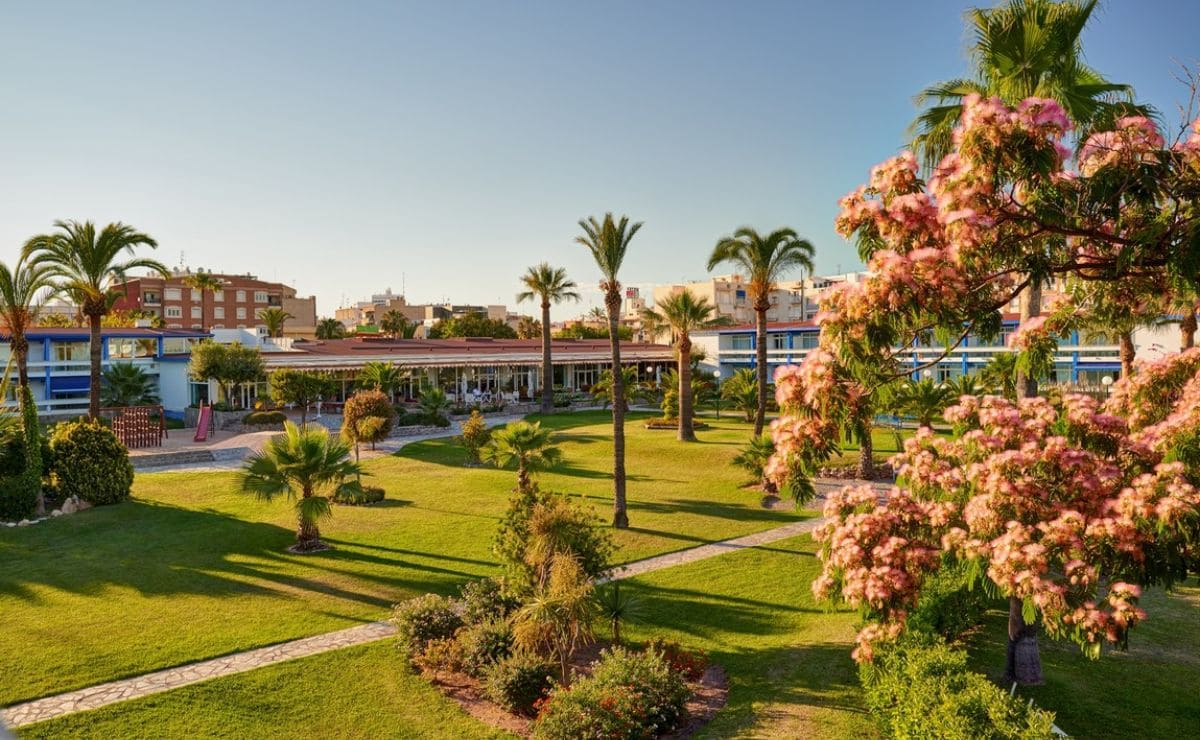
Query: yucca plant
[[526, 445], [306, 465], [126, 384]]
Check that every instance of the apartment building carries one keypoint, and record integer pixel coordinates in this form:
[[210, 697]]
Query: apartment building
[[794, 300], [370, 312], [236, 305]]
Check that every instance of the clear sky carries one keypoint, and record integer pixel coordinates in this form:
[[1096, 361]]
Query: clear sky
[[444, 146]]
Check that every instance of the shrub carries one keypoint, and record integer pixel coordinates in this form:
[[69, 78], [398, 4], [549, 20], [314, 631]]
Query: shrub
[[628, 695], [17, 498], [575, 533], [948, 605], [517, 683], [421, 620], [691, 664], [360, 496], [474, 436], [921, 688], [484, 644], [484, 600], [442, 654], [258, 418], [367, 417], [91, 463]]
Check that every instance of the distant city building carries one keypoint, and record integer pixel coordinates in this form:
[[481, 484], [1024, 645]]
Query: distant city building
[[236, 305], [371, 312]]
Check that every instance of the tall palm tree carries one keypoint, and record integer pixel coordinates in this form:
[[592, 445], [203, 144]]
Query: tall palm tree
[[1023, 48], [393, 324], [764, 259], [685, 313], [549, 285], [22, 289], [274, 318], [330, 328], [207, 284], [88, 266], [525, 444], [608, 241], [301, 464]]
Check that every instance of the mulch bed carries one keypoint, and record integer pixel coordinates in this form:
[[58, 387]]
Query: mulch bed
[[709, 695]]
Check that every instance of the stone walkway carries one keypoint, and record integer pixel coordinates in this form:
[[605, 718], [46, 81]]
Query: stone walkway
[[112, 692]]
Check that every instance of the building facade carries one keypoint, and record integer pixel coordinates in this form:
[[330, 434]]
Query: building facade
[[60, 365], [236, 305], [370, 313]]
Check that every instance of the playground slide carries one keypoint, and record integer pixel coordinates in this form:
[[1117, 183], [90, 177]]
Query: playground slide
[[203, 423]]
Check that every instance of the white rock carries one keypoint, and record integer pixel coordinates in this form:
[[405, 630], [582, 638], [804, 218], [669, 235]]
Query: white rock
[[24, 523], [69, 506], [56, 512]]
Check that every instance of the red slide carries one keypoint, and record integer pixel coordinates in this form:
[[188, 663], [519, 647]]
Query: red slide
[[202, 424]]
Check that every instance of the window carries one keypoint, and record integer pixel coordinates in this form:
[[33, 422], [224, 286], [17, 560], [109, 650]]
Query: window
[[219, 296], [196, 295], [151, 297], [196, 312], [743, 341], [172, 294], [177, 346], [70, 351], [241, 314], [260, 296], [778, 341], [809, 341], [174, 312], [218, 312], [241, 296], [126, 349]]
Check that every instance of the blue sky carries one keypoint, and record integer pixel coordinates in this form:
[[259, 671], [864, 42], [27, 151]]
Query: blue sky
[[347, 147]]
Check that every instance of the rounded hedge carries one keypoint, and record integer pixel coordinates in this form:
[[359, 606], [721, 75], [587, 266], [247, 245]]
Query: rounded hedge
[[257, 418], [91, 463]]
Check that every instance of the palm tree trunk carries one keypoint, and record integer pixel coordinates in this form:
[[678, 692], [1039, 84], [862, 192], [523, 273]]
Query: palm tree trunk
[[308, 535], [1023, 662], [760, 359], [1127, 353], [547, 364], [523, 482], [866, 450], [95, 356], [20, 350], [687, 431], [620, 515], [1187, 330]]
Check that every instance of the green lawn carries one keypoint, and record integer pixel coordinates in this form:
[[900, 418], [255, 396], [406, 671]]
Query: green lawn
[[1152, 690], [788, 662], [192, 569]]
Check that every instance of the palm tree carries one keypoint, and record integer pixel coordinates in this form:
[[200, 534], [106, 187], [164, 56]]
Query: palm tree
[[126, 384], [742, 391], [608, 241], [273, 318], [206, 283], [1000, 374], [602, 389], [685, 313], [922, 399], [549, 285], [22, 289], [1024, 48], [301, 464], [87, 265], [383, 377], [393, 324], [964, 385], [753, 458], [330, 328], [765, 259], [526, 445]]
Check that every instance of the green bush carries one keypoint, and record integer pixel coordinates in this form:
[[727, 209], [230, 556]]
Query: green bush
[[256, 418], [921, 688], [948, 606], [18, 499], [91, 463], [424, 619], [420, 419], [442, 654], [484, 600], [629, 695], [484, 644], [519, 681], [360, 497]]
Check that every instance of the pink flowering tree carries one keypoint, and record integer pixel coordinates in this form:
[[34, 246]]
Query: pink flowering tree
[[1067, 510]]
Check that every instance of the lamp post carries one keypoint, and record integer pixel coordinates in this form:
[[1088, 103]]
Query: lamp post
[[1107, 382]]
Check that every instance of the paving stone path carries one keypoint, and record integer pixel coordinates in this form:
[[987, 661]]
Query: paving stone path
[[157, 682]]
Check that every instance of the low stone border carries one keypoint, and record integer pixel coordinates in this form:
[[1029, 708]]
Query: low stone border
[[70, 506]]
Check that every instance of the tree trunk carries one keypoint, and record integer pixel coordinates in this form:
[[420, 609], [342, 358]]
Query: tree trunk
[[1187, 330], [547, 364], [308, 536], [1127, 353], [20, 350], [523, 482], [687, 431], [96, 357], [866, 450], [620, 515], [1023, 663], [760, 359], [616, 630]]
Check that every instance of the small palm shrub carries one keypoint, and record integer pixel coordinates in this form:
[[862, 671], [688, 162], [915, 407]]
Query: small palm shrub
[[753, 459], [91, 463], [484, 644], [517, 683], [421, 620]]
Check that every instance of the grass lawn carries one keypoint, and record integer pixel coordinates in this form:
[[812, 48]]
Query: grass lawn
[[788, 662], [1149, 691], [192, 569]]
